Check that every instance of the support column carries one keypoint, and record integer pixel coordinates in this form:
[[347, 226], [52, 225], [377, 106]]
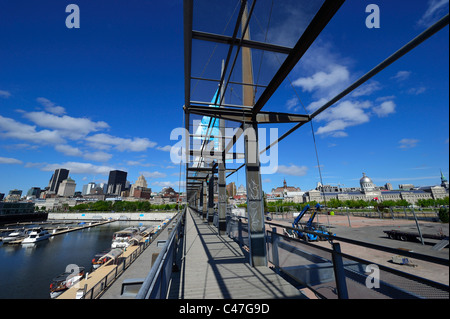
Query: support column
[[210, 214], [201, 201], [255, 202], [205, 200], [222, 190]]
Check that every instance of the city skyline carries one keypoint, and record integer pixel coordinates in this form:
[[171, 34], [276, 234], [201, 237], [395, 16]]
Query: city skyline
[[107, 96]]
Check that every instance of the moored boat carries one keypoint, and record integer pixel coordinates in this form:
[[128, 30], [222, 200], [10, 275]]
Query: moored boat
[[35, 235], [64, 281], [102, 258], [123, 238], [15, 235]]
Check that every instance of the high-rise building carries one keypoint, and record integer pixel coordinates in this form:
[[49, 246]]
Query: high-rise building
[[116, 182], [87, 188], [67, 188], [34, 192], [58, 176]]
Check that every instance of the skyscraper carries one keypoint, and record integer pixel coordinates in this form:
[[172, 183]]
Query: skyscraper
[[58, 176], [116, 182]]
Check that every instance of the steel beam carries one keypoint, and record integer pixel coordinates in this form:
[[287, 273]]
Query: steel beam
[[218, 38], [246, 115], [318, 23]]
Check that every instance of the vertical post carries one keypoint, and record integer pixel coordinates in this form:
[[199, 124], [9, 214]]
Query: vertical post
[[339, 274], [201, 200], [275, 258], [210, 214], [222, 205], [255, 203], [205, 199], [418, 227]]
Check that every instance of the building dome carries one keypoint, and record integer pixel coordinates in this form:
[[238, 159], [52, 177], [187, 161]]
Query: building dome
[[366, 184], [365, 179]]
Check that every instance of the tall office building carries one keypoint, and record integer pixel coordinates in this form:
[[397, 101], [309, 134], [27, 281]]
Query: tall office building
[[116, 182], [58, 176]]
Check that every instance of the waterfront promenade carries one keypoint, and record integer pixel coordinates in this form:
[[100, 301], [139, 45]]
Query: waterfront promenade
[[217, 267]]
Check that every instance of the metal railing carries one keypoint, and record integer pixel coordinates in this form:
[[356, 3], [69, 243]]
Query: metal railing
[[332, 274], [97, 290], [156, 284]]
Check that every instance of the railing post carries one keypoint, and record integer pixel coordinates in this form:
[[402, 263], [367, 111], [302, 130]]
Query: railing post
[[275, 258], [339, 274]]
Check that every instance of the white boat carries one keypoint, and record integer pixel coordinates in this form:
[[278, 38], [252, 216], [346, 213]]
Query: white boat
[[16, 235], [123, 238], [65, 281], [35, 235]]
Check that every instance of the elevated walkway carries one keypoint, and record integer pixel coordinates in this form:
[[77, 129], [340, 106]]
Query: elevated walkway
[[216, 267]]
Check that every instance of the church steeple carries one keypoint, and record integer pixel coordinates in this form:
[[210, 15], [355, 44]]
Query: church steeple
[[284, 183]]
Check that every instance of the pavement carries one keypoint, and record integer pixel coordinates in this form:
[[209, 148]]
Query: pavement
[[370, 230]]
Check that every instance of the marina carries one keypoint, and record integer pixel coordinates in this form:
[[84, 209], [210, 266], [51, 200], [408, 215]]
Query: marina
[[72, 246]]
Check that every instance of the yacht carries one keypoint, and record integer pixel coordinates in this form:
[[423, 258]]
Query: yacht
[[35, 235], [15, 235], [64, 281]]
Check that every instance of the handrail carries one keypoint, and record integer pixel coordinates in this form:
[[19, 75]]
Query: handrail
[[151, 281]]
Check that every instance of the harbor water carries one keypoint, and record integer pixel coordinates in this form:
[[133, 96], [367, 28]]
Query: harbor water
[[26, 271]]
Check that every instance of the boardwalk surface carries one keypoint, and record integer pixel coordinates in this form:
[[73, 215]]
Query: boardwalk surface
[[217, 267]]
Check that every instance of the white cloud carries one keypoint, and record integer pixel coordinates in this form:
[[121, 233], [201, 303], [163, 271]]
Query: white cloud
[[4, 94], [366, 89], [68, 150], [136, 144], [72, 127], [166, 148], [50, 106], [435, 10], [408, 143], [345, 114], [292, 170], [402, 75], [98, 156], [155, 174], [9, 160], [384, 109], [10, 128], [174, 185], [79, 168], [417, 91], [322, 80]]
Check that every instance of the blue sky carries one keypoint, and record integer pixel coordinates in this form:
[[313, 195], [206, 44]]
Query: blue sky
[[107, 95]]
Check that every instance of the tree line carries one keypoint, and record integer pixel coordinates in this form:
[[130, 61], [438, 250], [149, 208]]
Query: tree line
[[334, 203], [120, 206]]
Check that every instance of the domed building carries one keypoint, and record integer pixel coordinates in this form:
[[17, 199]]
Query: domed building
[[368, 187], [369, 191]]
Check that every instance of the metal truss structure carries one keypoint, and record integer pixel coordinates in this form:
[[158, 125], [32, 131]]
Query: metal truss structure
[[206, 165]]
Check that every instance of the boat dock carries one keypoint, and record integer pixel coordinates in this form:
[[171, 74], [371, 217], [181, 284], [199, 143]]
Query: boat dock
[[58, 230], [102, 283]]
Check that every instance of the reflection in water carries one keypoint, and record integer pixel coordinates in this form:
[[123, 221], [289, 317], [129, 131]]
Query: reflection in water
[[27, 270]]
